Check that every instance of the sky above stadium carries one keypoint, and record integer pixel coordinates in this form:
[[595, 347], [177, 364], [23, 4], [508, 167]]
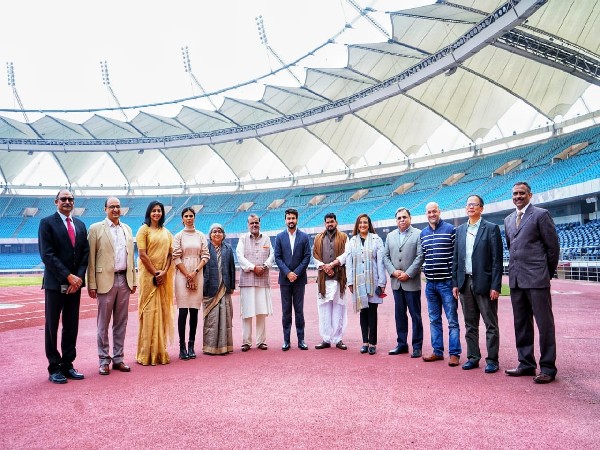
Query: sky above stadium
[[56, 49]]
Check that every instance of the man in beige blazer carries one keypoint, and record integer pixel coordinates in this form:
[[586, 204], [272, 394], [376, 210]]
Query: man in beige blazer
[[111, 278]]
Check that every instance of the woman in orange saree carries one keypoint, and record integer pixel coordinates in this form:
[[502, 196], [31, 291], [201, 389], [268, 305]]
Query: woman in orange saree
[[155, 307]]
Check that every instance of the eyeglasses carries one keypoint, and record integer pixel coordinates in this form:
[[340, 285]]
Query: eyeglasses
[[66, 199], [217, 231], [253, 223], [114, 207], [473, 205]]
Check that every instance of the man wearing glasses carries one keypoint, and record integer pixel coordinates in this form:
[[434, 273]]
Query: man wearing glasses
[[255, 255], [477, 280], [403, 259], [64, 249], [111, 278]]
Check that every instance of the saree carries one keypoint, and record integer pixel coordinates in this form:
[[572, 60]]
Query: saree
[[218, 331], [155, 303]]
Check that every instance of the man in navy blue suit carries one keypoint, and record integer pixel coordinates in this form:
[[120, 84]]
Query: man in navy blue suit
[[64, 249], [292, 255]]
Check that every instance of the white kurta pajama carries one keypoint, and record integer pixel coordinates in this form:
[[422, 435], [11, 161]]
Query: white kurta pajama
[[255, 292], [332, 307]]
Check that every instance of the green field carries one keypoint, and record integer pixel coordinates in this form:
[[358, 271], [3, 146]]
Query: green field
[[22, 280]]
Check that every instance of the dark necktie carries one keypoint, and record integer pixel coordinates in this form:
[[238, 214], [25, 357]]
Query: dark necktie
[[71, 231]]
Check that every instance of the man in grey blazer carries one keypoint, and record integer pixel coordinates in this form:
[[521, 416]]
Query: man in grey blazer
[[403, 258], [534, 251], [477, 280], [111, 278]]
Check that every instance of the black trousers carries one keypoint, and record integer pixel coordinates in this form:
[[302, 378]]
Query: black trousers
[[474, 307], [368, 323], [67, 305], [527, 304], [182, 319], [292, 296]]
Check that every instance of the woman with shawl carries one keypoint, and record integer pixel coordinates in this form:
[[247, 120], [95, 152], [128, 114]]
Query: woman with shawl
[[366, 278], [219, 284]]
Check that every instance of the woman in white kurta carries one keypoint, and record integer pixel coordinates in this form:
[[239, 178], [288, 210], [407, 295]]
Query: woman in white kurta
[[190, 254], [366, 278]]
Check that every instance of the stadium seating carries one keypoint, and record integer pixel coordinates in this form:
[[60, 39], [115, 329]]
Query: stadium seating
[[380, 202]]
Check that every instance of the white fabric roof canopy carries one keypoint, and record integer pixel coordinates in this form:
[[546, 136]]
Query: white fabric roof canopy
[[469, 102]]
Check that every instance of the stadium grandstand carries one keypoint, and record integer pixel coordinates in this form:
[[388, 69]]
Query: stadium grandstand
[[446, 99]]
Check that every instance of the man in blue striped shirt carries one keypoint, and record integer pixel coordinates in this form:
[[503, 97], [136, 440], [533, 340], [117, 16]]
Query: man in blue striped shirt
[[437, 241]]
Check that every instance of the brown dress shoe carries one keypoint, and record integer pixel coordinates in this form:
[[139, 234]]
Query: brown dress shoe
[[454, 360], [104, 370], [122, 367], [543, 378], [433, 357]]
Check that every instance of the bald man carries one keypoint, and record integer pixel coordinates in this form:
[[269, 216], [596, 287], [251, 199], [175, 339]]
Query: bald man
[[437, 242]]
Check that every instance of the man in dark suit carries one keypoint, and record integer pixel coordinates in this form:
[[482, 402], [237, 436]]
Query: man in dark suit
[[64, 249], [477, 279], [534, 251], [292, 255]]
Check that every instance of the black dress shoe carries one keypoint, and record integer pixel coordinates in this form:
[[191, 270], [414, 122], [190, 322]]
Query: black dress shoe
[[322, 345], [72, 374], [398, 350], [470, 364], [543, 378], [341, 346], [302, 345], [491, 368], [520, 372], [285, 347], [416, 354], [58, 378], [364, 349], [372, 350]]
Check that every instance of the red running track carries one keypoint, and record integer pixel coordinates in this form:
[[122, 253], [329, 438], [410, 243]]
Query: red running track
[[316, 399]]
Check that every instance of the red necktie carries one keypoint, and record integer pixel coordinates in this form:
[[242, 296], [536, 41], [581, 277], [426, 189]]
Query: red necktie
[[71, 231]]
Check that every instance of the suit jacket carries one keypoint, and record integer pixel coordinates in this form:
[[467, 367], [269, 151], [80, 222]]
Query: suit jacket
[[101, 265], [407, 257], [486, 259], [60, 257], [211, 270], [288, 262], [534, 248]]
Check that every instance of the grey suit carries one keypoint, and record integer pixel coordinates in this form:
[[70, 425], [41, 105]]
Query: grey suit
[[534, 252], [407, 257], [475, 288]]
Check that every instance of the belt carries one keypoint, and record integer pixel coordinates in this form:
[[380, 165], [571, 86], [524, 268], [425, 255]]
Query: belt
[[120, 272]]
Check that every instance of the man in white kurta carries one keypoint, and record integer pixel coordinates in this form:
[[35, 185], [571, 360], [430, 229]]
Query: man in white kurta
[[329, 253], [255, 256]]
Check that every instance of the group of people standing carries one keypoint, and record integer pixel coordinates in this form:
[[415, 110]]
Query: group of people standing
[[459, 263]]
